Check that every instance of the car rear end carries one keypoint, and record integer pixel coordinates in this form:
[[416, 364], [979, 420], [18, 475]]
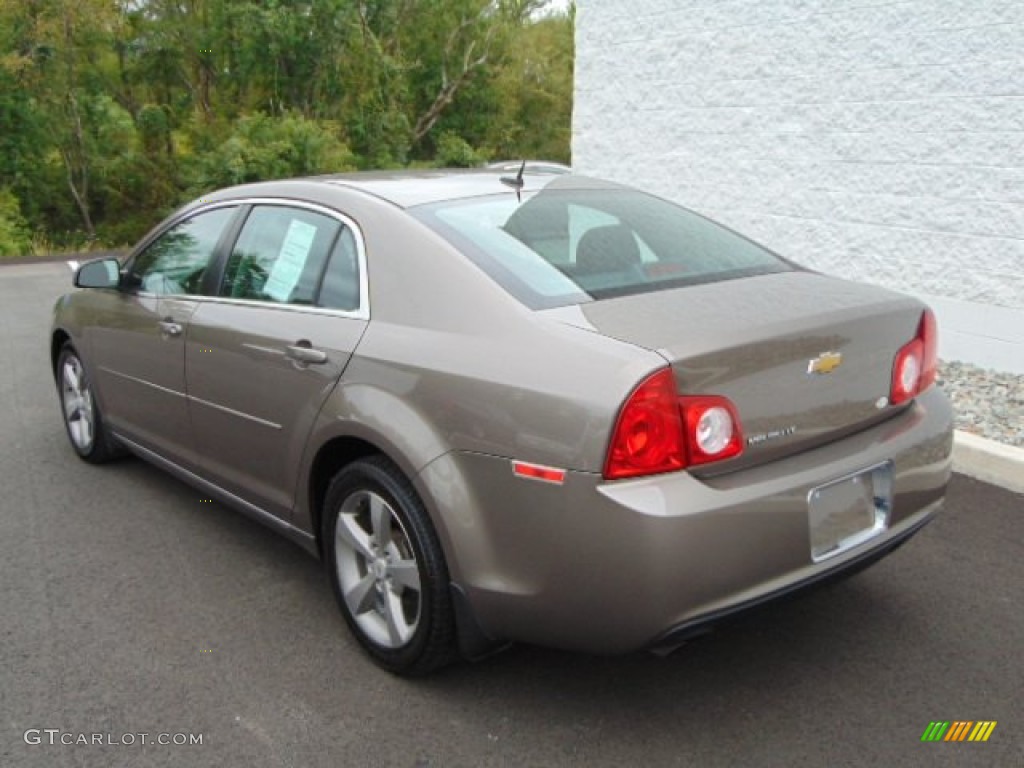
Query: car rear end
[[792, 433], [615, 566]]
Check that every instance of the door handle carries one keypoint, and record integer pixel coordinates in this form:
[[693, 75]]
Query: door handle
[[170, 328], [303, 352]]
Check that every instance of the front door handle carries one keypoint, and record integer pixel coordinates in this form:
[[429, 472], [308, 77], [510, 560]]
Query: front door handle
[[170, 328], [303, 352]]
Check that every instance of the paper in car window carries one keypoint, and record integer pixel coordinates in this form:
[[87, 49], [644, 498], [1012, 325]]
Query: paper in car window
[[290, 261]]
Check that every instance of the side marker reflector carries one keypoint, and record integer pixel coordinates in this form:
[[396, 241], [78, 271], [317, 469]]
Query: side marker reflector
[[538, 472]]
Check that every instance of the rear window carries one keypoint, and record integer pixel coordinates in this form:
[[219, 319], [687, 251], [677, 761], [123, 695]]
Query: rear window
[[568, 246]]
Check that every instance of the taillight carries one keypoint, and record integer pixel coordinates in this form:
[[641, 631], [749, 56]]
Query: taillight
[[712, 428], [659, 431], [648, 436], [914, 368]]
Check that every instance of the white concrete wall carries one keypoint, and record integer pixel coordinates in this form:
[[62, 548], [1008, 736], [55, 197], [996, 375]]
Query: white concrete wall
[[880, 141]]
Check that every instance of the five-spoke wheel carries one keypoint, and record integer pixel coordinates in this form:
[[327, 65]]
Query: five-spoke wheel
[[387, 568], [78, 404], [377, 569], [82, 417]]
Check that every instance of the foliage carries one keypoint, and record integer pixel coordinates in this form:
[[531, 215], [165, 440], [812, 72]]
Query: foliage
[[261, 147], [115, 111], [14, 234], [453, 151]]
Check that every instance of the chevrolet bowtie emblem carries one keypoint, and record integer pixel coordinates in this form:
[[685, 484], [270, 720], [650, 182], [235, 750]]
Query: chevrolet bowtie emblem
[[825, 363]]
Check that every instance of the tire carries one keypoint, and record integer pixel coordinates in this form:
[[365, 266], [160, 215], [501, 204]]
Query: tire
[[83, 421], [394, 597]]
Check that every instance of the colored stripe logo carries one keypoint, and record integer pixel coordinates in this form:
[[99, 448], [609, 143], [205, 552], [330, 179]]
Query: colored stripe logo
[[959, 730]]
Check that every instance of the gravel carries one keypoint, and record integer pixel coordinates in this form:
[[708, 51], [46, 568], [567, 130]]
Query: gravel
[[987, 403]]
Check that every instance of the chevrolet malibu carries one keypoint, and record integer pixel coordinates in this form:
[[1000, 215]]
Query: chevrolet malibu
[[530, 407]]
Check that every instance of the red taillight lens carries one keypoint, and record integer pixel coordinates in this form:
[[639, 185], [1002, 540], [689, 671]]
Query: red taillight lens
[[659, 431], [914, 368], [648, 436]]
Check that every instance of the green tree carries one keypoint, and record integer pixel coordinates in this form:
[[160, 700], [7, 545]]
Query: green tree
[[114, 111], [533, 117], [261, 147], [14, 235], [455, 152]]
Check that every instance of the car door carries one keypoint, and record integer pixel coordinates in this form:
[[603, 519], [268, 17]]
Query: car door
[[262, 356], [138, 341]]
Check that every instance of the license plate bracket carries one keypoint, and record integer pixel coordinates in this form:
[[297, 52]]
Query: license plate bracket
[[848, 511]]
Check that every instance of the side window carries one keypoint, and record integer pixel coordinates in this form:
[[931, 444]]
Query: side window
[[340, 288], [280, 255], [176, 261]]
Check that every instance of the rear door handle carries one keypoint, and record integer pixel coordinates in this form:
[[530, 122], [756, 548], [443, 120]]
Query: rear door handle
[[170, 328], [303, 352]]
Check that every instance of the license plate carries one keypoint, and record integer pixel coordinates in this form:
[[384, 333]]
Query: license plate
[[849, 511]]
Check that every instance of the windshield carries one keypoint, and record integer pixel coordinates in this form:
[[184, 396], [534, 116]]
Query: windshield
[[568, 246]]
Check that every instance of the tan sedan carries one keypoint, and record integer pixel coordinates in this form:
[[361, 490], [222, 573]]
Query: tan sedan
[[512, 407]]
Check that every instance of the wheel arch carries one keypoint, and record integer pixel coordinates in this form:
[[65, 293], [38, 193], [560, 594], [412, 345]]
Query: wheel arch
[[331, 457], [340, 449], [58, 339], [357, 420]]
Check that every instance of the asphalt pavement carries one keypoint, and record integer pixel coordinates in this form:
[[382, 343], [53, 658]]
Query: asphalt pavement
[[130, 606]]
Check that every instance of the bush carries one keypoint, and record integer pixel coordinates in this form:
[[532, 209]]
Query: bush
[[260, 148], [453, 151], [15, 238]]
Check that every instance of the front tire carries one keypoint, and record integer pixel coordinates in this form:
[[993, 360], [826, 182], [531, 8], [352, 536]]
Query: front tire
[[82, 418], [387, 569]]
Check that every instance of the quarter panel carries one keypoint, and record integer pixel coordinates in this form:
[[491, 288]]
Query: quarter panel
[[537, 390], [377, 416], [547, 395]]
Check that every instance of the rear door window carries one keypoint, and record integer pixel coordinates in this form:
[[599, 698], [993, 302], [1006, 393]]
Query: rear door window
[[340, 287], [280, 255]]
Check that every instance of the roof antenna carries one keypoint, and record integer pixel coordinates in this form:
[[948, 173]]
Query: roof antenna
[[516, 183]]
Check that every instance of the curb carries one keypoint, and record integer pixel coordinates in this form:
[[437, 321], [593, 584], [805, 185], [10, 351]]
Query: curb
[[988, 461]]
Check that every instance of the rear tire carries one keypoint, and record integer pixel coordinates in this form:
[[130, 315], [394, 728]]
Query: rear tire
[[83, 420], [387, 568]]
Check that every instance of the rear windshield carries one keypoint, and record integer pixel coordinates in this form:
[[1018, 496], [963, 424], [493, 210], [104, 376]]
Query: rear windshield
[[568, 246]]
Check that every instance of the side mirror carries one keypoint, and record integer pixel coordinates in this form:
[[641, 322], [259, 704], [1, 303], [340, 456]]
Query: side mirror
[[99, 273]]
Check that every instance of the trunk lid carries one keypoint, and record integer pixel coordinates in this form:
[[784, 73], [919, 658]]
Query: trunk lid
[[805, 358]]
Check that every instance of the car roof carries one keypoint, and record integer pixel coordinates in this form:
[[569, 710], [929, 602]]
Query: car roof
[[404, 189], [537, 165], [409, 188]]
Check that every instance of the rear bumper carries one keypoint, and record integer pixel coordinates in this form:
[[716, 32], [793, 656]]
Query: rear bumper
[[679, 634], [614, 567]]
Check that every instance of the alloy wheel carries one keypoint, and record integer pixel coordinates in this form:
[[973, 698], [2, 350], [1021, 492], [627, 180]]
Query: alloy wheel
[[79, 410], [377, 570]]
